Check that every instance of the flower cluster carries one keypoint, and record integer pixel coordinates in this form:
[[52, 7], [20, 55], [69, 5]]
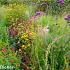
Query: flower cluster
[[25, 40]]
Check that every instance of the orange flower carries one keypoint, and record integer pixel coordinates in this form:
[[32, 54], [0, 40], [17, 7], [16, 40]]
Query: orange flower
[[12, 61]]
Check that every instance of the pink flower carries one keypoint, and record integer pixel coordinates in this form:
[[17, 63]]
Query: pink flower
[[67, 17]]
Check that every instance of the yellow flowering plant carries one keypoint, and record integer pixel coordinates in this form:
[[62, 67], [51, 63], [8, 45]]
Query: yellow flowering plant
[[14, 11], [25, 40]]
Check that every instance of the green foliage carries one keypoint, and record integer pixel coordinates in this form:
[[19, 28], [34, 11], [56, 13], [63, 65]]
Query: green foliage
[[3, 28], [9, 57], [50, 52]]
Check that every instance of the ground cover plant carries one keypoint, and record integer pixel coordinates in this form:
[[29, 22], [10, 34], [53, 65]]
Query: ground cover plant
[[34, 35]]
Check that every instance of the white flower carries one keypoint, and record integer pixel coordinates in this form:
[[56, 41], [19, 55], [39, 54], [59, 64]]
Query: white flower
[[43, 31], [46, 29]]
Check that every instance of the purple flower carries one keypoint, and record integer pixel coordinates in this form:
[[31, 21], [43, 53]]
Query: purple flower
[[61, 1], [67, 17], [38, 13]]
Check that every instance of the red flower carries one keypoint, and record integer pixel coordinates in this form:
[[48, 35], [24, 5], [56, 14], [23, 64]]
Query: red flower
[[4, 50]]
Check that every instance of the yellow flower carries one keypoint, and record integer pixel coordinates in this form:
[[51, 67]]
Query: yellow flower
[[23, 46], [22, 37], [26, 35], [28, 45]]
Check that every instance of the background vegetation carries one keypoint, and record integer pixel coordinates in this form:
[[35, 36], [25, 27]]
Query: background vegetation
[[35, 34]]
